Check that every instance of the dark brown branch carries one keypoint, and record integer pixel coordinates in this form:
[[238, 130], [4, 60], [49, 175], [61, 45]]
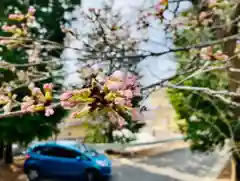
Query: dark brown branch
[[136, 58], [23, 65], [21, 113]]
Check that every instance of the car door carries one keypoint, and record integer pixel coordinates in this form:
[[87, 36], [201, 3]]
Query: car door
[[49, 161], [72, 163]]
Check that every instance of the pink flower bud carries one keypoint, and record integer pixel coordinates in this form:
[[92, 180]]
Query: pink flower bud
[[119, 101], [137, 91], [49, 112], [68, 105], [128, 94], [114, 85], [112, 117], [48, 86], [91, 9], [128, 103], [11, 16], [131, 80], [203, 15], [121, 121], [24, 106], [5, 27], [30, 108], [5, 42], [65, 96], [118, 75], [158, 7], [36, 90], [136, 115], [31, 10], [18, 17], [219, 55], [121, 92], [206, 53], [74, 115]]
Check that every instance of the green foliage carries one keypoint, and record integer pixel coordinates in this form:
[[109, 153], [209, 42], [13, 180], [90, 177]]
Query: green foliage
[[96, 134], [208, 120], [28, 127]]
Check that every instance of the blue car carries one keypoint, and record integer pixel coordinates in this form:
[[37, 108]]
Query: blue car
[[66, 160]]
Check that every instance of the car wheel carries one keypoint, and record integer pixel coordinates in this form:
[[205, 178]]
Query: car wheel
[[33, 174], [91, 175]]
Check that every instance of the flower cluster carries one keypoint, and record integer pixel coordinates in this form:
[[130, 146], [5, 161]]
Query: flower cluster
[[125, 83], [205, 18], [20, 29], [157, 12], [123, 136], [207, 53], [39, 101], [111, 31], [113, 96], [160, 7]]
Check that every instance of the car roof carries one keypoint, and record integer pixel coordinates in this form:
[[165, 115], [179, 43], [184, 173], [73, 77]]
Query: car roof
[[62, 143]]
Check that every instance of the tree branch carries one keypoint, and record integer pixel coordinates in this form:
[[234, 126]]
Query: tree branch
[[21, 113], [23, 65], [141, 56]]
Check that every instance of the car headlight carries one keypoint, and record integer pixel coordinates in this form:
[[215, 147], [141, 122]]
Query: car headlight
[[101, 163]]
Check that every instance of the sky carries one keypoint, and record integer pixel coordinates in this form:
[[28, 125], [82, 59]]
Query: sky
[[153, 69]]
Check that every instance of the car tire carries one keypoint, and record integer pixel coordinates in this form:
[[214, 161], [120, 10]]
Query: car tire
[[91, 175], [33, 174]]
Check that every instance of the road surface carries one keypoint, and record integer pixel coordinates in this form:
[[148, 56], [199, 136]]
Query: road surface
[[177, 165]]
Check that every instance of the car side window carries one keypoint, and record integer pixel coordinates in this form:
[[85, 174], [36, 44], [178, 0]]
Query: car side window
[[62, 152], [38, 149], [65, 153], [47, 151]]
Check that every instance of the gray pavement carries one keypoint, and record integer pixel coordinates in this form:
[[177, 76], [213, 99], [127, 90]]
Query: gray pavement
[[177, 165]]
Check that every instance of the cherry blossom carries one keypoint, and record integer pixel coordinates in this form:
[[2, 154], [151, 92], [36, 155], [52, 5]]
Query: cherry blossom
[[114, 85], [120, 101], [66, 95], [206, 53], [128, 94], [136, 115], [48, 86], [31, 10], [203, 15], [219, 55], [49, 112], [17, 17], [118, 75]]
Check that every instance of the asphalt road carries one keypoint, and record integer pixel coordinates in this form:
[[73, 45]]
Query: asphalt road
[[177, 165]]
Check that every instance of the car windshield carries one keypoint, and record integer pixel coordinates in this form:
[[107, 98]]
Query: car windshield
[[86, 149]]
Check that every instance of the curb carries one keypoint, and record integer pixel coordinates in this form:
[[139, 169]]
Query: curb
[[149, 151]]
